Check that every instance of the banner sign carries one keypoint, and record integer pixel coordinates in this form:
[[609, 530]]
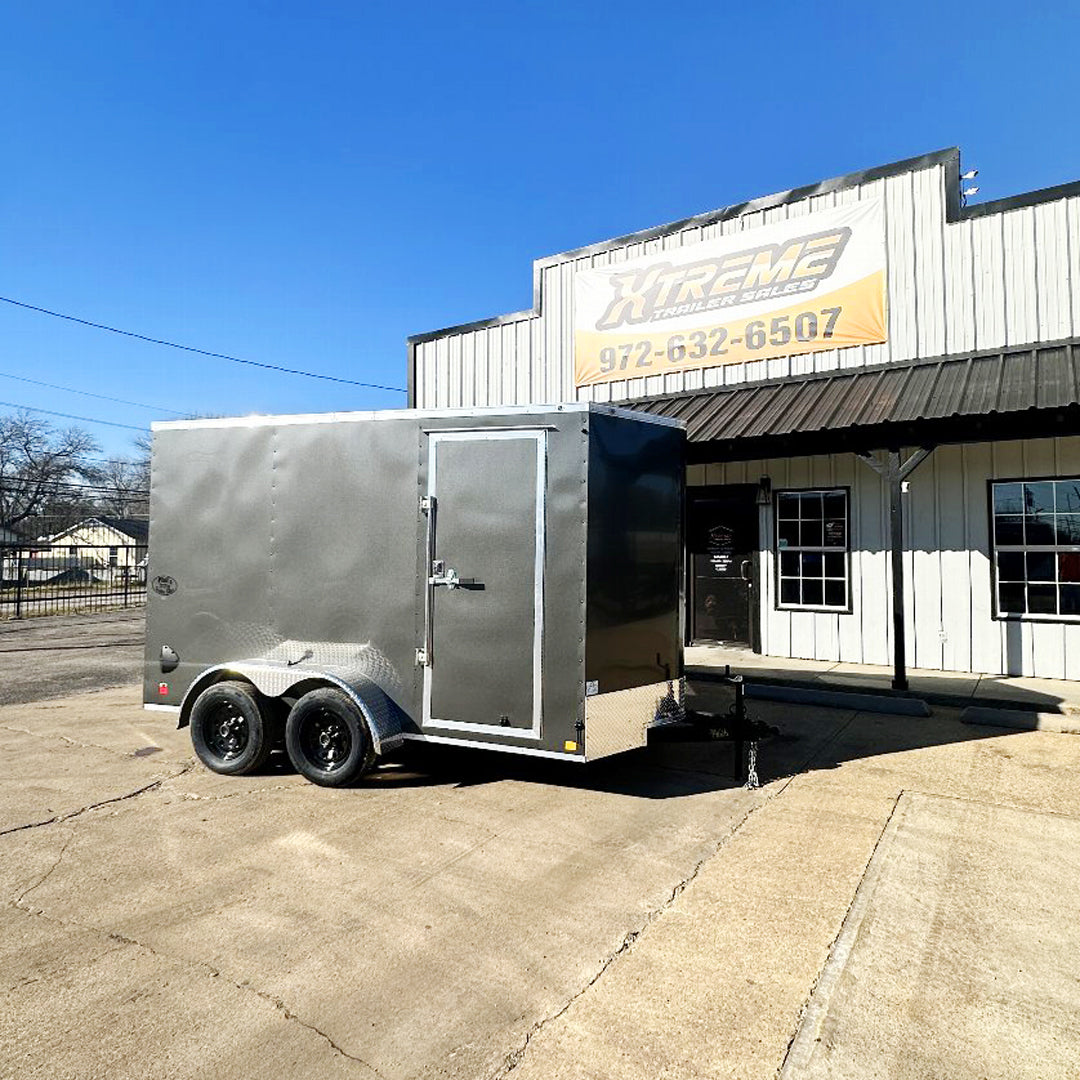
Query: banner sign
[[798, 286]]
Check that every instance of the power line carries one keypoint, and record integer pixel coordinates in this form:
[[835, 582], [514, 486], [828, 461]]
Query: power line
[[70, 416], [69, 487], [192, 349], [87, 393]]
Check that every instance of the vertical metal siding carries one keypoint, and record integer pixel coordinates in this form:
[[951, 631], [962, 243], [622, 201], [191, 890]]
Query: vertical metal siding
[[988, 255], [1021, 288], [1008, 278], [959, 299]]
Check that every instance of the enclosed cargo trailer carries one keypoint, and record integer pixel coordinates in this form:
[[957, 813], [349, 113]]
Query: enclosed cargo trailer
[[502, 578]]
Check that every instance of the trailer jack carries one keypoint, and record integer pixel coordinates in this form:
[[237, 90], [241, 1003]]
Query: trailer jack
[[735, 725]]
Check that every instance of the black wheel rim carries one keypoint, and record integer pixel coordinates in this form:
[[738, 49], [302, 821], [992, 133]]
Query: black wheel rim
[[325, 740], [226, 732]]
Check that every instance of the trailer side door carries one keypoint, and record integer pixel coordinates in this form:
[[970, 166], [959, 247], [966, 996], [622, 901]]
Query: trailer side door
[[485, 600]]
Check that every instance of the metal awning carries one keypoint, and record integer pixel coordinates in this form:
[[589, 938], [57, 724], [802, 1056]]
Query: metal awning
[[1014, 393]]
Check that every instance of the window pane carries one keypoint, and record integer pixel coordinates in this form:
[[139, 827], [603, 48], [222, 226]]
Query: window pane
[[1042, 599], [787, 506], [1010, 566], [1068, 566], [1009, 530], [1011, 599], [810, 534], [1068, 496], [1039, 497], [1068, 528], [808, 521], [835, 593], [836, 505], [1040, 565], [1008, 499], [1070, 599], [1038, 530], [836, 532]]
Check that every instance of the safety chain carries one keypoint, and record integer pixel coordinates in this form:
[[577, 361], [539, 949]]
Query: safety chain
[[752, 781]]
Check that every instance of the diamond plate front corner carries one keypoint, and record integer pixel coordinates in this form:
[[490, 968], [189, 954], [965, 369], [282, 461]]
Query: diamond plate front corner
[[621, 720]]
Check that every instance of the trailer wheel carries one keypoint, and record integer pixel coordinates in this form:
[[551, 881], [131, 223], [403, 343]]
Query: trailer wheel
[[327, 738], [228, 730]]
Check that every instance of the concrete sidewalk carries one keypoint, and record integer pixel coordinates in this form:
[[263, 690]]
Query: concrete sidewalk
[[953, 688], [898, 900]]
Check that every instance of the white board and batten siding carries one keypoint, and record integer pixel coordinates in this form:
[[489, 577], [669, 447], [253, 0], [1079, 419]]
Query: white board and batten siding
[[976, 284], [947, 563]]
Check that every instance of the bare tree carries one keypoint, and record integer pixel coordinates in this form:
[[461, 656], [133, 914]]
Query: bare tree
[[125, 487], [36, 462]]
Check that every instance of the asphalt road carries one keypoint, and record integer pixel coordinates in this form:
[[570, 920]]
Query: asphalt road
[[64, 654], [898, 900]]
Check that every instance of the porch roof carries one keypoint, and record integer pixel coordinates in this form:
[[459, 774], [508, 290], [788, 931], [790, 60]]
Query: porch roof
[[1028, 392]]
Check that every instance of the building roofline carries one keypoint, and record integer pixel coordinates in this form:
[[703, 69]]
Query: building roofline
[[949, 157], [106, 522]]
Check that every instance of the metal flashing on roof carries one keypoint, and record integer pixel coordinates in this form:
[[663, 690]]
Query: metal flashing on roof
[[948, 397]]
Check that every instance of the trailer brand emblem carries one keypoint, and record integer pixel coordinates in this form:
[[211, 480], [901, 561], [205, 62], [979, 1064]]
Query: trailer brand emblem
[[164, 585]]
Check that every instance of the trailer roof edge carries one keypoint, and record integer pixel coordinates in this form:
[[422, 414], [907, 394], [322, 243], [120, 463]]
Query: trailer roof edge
[[281, 420]]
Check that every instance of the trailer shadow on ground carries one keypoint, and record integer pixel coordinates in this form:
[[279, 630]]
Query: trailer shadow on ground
[[678, 763]]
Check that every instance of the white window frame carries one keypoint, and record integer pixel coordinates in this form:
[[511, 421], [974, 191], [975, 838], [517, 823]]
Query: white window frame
[[783, 545], [1024, 549]]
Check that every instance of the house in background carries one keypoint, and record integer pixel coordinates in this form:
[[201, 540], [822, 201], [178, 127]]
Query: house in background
[[102, 549], [11, 544]]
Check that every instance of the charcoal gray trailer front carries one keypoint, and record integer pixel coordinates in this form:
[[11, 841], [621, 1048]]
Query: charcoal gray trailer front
[[504, 578]]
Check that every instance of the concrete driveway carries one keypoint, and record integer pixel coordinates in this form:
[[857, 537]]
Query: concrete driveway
[[465, 915]]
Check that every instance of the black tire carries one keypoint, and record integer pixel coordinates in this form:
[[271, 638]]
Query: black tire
[[327, 738], [228, 729]]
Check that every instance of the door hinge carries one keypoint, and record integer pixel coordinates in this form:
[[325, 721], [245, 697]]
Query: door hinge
[[421, 657], [426, 503]]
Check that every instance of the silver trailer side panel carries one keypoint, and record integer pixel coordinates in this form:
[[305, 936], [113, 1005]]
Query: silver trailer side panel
[[283, 533]]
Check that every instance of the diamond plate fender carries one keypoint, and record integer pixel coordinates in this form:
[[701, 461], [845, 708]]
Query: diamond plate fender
[[275, 677]]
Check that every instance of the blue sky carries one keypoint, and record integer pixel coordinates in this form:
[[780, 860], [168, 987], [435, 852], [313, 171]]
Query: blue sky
[[307, 184]]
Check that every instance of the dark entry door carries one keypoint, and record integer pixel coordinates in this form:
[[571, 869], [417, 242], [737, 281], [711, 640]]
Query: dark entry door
[[485, 600], [722, 541]]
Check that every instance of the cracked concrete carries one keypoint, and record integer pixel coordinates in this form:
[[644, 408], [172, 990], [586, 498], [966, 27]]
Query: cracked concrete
[[152, 786], [457, 916], [408, 925]]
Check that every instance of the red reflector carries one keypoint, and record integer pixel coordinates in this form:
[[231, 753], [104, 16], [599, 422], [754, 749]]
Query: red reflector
[[163, 689]]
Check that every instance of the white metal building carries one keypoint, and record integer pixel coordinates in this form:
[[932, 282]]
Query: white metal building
[[882, 392]]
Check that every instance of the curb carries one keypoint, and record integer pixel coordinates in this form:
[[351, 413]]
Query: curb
[[839, 699], [1021, 719]]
